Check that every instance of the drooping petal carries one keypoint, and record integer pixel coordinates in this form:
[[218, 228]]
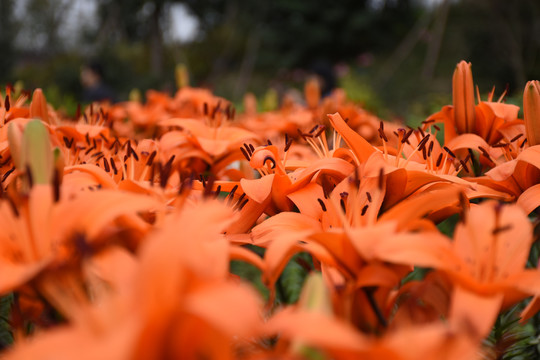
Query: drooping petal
[[232, 308], [474, 312], [91, 211], [316, 329], [285, 226], [360, 147], [530, 199], [258, 189]]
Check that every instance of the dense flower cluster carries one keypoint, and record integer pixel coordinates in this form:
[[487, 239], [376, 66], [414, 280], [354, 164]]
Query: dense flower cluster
[[117, 230]]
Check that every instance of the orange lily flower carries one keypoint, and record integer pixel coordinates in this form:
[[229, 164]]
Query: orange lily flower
[[519, 177], [12, 109], [272, 188], [172, 304], [41, 230], [408, 175], [486, 262], [309, 327], [216, 143], [486, 119]]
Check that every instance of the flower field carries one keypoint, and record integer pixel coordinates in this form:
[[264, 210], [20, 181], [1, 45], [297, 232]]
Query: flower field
[[179, 228]]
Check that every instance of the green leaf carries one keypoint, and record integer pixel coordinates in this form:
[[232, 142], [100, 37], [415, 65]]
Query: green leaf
[[6, 338]]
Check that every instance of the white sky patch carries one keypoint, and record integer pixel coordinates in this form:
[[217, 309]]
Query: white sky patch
[[183, 25]]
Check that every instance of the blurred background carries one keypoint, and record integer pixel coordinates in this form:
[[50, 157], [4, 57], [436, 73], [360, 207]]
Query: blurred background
[[395, 57]]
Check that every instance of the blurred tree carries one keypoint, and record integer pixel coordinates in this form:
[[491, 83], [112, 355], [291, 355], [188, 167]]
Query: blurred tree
[[137, 21], [501, 38], [8, 31], [41, 24]]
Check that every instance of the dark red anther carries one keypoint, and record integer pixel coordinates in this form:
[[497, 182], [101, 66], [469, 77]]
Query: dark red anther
[[321, 203], [364, 209], [380, 183], [230, 195], [6, 103], [151, 158], [430, 149], [244, 152], [205, 109], [242, 204], [104, 138], [449, 152], [134, 153], [113, 165], [203, 180], [516, 137], [423, 142], [485, 153], [382, 135], [368, 195], [406, 136], [240, 199], [115, 143], [248, 149], [68, 142], [439, 160], [7, 173], [106, 165], [467, 158], [89, 150], [342, 203], [464, 164]]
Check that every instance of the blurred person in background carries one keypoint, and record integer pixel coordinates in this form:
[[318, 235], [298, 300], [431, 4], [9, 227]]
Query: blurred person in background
[[94, 87]]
